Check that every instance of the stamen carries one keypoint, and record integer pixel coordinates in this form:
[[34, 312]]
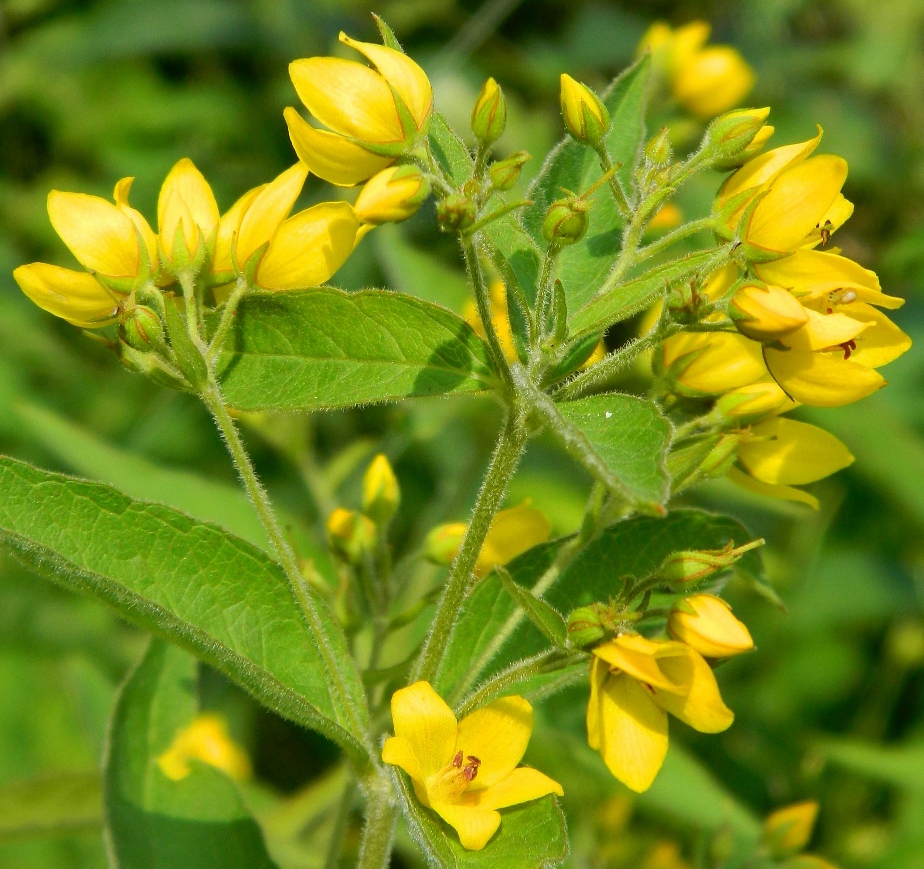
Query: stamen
[[849, 347], [470, 770], [457, 760]]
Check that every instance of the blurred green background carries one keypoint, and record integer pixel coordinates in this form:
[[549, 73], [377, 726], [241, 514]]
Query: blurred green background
[[830, 706]]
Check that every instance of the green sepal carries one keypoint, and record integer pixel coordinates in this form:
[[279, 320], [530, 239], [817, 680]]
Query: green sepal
[[188, 357], [543, 615], [389, 40], [578, 353]]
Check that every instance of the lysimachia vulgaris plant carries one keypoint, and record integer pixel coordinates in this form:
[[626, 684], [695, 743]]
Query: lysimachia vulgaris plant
[[741, 315]]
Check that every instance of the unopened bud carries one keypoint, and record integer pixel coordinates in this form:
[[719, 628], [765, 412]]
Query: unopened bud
[[505, 173], [350, 534], [722, 456], [143, 330], [381, 494], [489, 117], [455, 213], [725, 164], [443, 542], [658, 149], [566, 221], [586, 118], [392, 195], [758, 399], [693, 565], [788, 830], [586, 625], [705, 623], [729, 134], [766, 313]]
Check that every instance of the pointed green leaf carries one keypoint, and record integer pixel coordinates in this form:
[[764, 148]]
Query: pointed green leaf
[[193, 582], [187, 356], [543, 616], [50, 804], [154, 822], [450, 150], [324, 348]]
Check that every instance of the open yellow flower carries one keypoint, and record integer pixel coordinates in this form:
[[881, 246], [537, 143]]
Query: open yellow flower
[[288, 253], [187, 216], [465, 770], [634, 683], [112, 241], [372, 115], [206, 739]]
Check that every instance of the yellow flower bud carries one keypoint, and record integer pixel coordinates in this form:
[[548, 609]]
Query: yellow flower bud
[[658, 149], [710, 628], [766, 313], [187, 217], [372, 115], [143, 330], [788, 830], [489, 117], [668, 216], [350, 534], [712, 80], [757, 399], [587, 625], [505, 173], [586, 118], [442, 544], [761, 137], [381, 494], [392, 195], [730, 134], [566, 221], [207, 740]]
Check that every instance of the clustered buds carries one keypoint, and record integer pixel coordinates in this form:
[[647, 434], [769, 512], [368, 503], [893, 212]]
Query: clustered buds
[[489, 117], [586, 117], [455, 213]]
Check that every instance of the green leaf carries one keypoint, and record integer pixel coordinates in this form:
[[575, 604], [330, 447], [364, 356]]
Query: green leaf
[[324, 348], [50, 804], [515, 255], [153, 821], [531, 836], [896, 765], [490, 634], [543, 616], [450, 150], [582, 267], [628, 299], [193, 582], [623, 441]]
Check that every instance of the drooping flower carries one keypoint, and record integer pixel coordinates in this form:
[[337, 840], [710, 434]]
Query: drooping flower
[[465, 770], [206, 739], [706, 623], [392, 195], [372, 115], [634, 683]]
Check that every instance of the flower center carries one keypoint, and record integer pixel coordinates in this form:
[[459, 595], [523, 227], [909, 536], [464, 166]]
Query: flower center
[[452, 780]]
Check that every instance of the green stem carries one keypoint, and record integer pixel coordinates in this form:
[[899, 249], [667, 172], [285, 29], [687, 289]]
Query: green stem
[[672, 237], [506, 456], [622, 201], [227, 318], [306, 598], [483, 302], [544, 291], [188, 283], [379, 829], [338, 834]]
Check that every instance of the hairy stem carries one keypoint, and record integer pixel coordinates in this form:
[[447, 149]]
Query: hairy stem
[[503, 463], [227, 318], [379, 829], [671, 238]]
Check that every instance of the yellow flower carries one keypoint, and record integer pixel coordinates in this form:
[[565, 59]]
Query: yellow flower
[[585, 116], [372, 115], [779, 454], [710, 628], [634, 683], [761, 398], [465, 770], [667, 217], [187, 216], [111, 241], [284, 253], [207, 740], [713, 363], [705, 80], [392, 195], [765, 313], [381, 493], [788, 830], [350, 534]]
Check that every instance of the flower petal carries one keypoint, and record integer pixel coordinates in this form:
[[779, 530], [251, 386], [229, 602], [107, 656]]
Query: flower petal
[[98, 233], [769, 490], [330, 156], [723, 361], [636, 656], [497, 735], [398, 751], [599, 673], [422, 717], [882, 342], [74, 296], [634, 730], [792, 453], [228, 228], [309, 247], [347, 97], [268, 209], [796, 203], [120, 194], [474, 826], [403, 74], [701, 706], [191, 187], [521, 786], [827, 331]]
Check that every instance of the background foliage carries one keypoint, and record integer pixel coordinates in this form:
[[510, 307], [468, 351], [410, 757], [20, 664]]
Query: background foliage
[[830, 706]]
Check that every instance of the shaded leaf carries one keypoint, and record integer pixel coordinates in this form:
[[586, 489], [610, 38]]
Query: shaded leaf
[[50, 804]]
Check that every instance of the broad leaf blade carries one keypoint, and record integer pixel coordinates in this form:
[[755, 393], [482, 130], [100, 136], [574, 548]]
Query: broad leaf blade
[[50, 804], [193, 582], [531, 836], [324, 348], [629, 439], [154, 822]]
